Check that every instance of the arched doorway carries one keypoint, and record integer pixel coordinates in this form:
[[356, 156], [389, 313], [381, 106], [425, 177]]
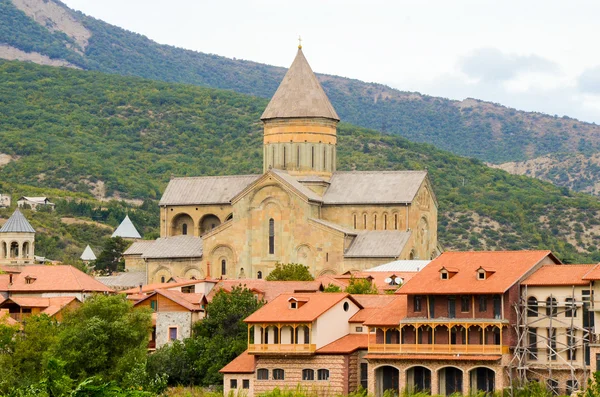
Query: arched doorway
[[450, 380], [482, 379], [418, 379], [14, 249], [209, 222], [387, 378]]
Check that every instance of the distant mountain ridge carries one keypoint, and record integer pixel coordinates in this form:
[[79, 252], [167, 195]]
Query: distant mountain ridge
[[46, 31]]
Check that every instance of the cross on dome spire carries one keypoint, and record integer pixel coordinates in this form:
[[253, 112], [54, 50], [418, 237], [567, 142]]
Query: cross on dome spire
[[299, 42]]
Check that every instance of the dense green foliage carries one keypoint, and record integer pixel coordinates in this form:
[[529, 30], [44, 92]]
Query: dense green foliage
[[487, 131], [217, 340], [111, 258], [134, 134], [290, 272], [361, 286], [99, 349]]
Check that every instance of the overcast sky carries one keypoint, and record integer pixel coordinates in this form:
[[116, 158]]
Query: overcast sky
[[532, 55]]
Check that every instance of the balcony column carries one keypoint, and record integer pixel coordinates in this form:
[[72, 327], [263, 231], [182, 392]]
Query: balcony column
[[400, 337], [279, 333], [417, 328], [466, 341], [293, 337]]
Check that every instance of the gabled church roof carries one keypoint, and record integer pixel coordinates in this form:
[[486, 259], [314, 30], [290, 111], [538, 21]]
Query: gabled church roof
[[88, 254], [17, 223], [373, 187], [205, 190], [126, 229], [299, 94], [378, 244]]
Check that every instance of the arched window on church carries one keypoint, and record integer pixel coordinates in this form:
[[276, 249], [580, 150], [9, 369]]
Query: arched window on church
[[273, 158], [259, 275], [312, 157], [375, 222], [395, 221], [271, 236], [355, 221], [324, 158], [223, 267], [384, 221], [184, 229], [284, 159], [365, 221], [298, 157]]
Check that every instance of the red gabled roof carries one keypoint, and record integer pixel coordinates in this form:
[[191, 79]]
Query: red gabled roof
[[390, 315], [192, 302], [152, 287], [372, 304], [49, 278], [346, 344], [549, 275], [510, 266], [278, 310], [593, 274], [243, 364]]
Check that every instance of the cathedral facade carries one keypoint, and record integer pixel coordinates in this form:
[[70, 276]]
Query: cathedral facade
[[301, 209]]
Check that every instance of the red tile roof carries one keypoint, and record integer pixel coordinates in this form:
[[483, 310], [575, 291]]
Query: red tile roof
[[346, 344], [192, 302], [48, 278], [151, 287], [559, 275], [243, 364], [510, 267], [593, 274], [372, 304], [390, 315], [50, 306], [278, 310], [456, 357], [268, 289]]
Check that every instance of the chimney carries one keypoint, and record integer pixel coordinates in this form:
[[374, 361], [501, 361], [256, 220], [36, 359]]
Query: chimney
[[140, 288]]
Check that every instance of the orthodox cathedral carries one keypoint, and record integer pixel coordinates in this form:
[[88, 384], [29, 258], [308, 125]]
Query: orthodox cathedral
[[299, 210]]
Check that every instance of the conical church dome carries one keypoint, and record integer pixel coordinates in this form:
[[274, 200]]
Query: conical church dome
[[300, 94]]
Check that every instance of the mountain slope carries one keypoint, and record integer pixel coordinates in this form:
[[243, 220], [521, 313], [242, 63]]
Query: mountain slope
[[74, 129], [487, 131]]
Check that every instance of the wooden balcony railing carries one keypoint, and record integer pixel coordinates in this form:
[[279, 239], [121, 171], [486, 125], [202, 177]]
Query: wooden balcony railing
[[437, 349], [303, 348]]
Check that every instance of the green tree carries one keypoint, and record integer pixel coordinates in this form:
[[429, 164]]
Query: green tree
[[104, 337], [332, 288], [111, 258], [360, 286], [290, 272]]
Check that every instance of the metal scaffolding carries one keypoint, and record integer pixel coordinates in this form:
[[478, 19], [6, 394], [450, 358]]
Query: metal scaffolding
[[565, 342]]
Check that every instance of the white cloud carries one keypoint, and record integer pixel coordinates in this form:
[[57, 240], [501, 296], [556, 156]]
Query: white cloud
[[589, 80]]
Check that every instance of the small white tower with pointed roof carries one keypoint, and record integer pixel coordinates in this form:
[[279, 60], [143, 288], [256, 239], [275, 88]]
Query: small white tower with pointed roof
[[88, 255], [17, 241], [127, 230]]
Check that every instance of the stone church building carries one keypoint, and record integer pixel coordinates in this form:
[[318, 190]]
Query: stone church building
[[299, 210]]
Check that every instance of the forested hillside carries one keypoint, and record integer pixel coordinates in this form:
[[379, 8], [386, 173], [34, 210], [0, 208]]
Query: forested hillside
[[487, 131], [80, 131]]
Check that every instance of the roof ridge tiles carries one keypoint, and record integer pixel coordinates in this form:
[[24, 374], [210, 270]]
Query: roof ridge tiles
[[214, 176]]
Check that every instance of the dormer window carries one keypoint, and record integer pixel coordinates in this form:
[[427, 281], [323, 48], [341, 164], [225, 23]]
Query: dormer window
[[481, 275], [447, 273], [444, 275], [293, 305], [29, 279], [484, 273], [296, 303]]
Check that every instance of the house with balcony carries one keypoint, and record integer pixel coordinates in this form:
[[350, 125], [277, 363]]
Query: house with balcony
[[452, 330], [315, 340]]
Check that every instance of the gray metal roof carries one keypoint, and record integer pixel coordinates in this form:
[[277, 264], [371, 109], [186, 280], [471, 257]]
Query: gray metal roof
[[310, 194], [373, 187], [88, 254], [205, 190], [400, 266], [138, 247], [377, 244], [299, 94], [335, 226], [126, 229], [17, 223], [124, 280], [174, 247]]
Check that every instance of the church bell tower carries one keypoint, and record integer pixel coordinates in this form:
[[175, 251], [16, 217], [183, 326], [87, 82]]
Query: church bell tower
[[300, 125]]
